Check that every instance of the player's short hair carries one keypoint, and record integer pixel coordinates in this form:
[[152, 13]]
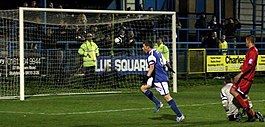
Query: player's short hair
[[251, 38], [149, 43]]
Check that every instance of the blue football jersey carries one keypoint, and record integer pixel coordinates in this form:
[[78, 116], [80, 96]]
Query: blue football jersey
[[159, 74]]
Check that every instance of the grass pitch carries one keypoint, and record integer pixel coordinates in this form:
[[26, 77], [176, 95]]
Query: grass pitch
[[201, 106]]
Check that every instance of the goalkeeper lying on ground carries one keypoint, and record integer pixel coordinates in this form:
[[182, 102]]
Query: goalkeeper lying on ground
[[230, 104]]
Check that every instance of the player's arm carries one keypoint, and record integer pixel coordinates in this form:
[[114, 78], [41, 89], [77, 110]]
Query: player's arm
[[237, 77], [149, 73], [151, 69], [251, 62], [243, 71], [151, 62]]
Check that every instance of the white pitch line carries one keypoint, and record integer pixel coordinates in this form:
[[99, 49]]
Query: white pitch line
[[106, 111]]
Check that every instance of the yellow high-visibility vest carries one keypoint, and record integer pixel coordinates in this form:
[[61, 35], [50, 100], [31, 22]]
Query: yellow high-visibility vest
[[163, 49], [89, 51], [223, 47]]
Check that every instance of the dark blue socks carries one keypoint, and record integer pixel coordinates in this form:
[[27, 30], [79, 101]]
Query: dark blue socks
[[152, 97], [174, 107]]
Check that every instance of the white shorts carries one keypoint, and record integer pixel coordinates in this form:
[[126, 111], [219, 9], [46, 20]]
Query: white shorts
[[161, 87]]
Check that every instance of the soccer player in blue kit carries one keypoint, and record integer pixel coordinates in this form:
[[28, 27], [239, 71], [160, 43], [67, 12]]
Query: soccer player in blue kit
[[158, 77]]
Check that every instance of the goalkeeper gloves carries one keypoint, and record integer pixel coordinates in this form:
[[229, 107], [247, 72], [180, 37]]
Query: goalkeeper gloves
[[169, 67], [145, 79]]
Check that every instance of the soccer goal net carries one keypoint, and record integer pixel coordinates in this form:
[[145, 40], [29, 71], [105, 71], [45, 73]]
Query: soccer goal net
[[39, 50]]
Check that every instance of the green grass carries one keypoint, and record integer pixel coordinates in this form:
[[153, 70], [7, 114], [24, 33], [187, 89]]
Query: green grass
[[200, 104]]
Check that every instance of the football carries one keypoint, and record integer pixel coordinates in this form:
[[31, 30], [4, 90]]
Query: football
[[118, 40]]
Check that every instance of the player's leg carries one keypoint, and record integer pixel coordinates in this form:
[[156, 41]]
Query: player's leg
[[247, 109], [238, 91], [237, 96], [259, 116], [173, 105], [145, 89], [162, 88], [233, 113]]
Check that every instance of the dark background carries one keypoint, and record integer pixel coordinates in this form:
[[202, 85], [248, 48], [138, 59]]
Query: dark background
[[92, 4]]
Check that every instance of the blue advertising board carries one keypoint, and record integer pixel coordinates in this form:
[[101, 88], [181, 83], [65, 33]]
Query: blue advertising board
[[122, 64]]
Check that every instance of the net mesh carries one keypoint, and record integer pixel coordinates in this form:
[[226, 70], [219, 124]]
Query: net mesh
[[51, 43]]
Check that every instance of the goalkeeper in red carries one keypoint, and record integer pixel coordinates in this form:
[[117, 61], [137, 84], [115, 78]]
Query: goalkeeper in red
[[157, 77], [243, 80]]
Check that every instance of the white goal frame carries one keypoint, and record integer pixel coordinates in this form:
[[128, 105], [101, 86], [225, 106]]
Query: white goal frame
[[21, 37]]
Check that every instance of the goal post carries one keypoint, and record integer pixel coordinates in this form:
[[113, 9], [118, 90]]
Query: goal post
[[21, 55], [58, 71], [174, 52]]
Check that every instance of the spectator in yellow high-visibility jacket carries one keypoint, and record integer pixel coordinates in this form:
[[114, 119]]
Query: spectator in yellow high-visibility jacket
[[223, 45], [89, 50], [163, 49]]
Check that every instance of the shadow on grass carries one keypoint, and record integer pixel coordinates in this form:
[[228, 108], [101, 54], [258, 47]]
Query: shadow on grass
[[189, 122], [165, 117]]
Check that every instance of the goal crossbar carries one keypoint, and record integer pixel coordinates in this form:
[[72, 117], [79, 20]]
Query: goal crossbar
[[21, 36]]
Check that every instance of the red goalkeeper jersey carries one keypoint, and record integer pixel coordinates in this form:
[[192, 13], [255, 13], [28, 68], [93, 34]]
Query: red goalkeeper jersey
[[249, 65]]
